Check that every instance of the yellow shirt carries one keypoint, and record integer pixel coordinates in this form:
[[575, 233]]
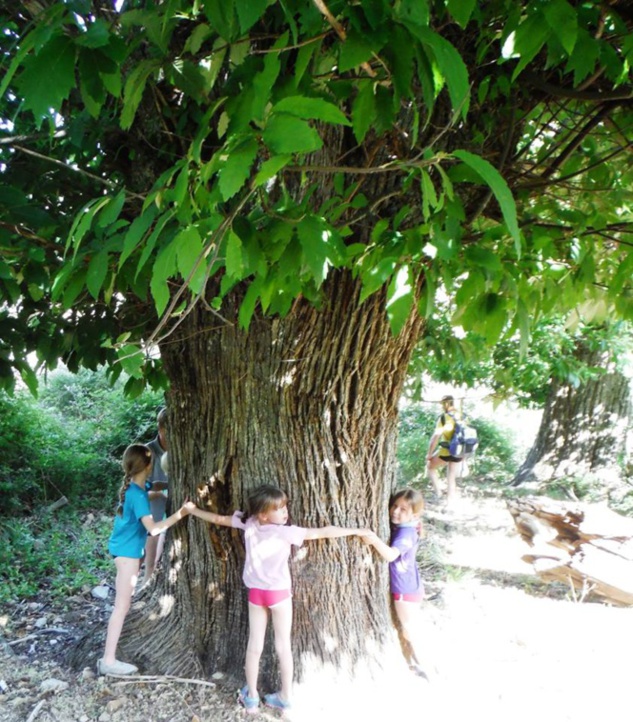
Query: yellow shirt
[[446, 426]]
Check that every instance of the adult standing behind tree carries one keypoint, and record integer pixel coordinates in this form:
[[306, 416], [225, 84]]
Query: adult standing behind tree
[[439, 456], [158, 495]]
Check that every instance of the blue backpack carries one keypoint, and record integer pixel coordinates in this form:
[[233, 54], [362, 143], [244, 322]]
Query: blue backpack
[[464, 440]]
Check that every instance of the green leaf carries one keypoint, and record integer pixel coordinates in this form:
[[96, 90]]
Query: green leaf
[[270, 168], [376, 276], [136, 231], [96, 36], [83, 221], [354, 50], [134, 87], [311, 108], [189, 261], [499, 187], [237, 168], [49, 76], [461, 10], [400, 298], [484, 258], [263, 82], [111, 210], [450, 65], [363, 110], [286, 134], [234, 259], [164, 268], [412, 11], [97, 270], [563, 21], [132, 359], [247, 308], [526, 42], [249, 12], [312, 233], [221, 15]]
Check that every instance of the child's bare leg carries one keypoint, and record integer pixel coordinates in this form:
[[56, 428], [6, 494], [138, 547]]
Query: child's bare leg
[[410, 617], [126, 576], [282, 624], [257, 623]]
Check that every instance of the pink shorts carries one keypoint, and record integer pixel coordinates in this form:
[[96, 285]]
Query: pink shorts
[[415, 597], [268, 597]]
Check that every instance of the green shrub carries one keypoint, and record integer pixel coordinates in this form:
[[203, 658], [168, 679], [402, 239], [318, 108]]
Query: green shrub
[[56, 554], [69, 442]]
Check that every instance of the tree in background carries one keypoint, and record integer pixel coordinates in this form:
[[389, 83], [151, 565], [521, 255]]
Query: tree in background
[[587, 414], [272, 193]]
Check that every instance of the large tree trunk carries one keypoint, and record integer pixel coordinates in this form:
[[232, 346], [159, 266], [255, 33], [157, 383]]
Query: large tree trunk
[[583, 429], [308, 402]]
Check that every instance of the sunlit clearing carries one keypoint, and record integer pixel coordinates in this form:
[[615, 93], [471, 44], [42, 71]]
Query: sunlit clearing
[[347, 690]]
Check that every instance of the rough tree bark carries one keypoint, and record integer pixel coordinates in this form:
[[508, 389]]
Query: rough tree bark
[[263, 406], [583, 429]]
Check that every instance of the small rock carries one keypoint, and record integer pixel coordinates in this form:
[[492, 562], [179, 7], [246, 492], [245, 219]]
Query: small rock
[[100, 592], [83, 718], [105, 717], [4, 687], [114, 705], [87, 673], [217, 675], [53, 685], [40, 623]]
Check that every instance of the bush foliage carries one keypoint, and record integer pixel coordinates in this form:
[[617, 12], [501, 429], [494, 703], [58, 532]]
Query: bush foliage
[[69, 441]]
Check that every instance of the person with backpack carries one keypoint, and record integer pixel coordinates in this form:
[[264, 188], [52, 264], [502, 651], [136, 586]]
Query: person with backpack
[[440, 453]]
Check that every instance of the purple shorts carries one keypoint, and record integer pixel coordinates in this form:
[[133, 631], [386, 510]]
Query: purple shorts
[[268, 597]]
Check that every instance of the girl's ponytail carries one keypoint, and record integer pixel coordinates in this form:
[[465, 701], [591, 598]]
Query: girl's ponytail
[[136, 458]]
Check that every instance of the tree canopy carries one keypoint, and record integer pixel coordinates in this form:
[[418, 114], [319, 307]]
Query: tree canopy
[[159, 154]]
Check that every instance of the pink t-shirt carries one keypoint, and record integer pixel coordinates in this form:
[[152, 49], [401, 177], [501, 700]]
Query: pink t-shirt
[[267, 552]]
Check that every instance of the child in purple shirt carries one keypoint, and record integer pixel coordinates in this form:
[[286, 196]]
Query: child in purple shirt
[[407, 589], [267, 576]]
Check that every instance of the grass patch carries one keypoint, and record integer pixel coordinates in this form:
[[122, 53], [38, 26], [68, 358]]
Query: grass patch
[[54, 555]]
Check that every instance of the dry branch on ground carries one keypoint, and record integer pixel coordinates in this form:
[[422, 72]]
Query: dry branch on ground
[[588, 546]]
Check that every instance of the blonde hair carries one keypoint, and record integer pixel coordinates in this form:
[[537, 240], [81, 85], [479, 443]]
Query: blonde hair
[[136, 458], [411, 496], [265, 498]]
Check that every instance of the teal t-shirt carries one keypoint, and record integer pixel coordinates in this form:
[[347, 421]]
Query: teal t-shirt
[[129, 535]]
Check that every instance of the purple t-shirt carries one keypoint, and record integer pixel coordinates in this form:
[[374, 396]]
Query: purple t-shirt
[[267, 552], [403, 571]]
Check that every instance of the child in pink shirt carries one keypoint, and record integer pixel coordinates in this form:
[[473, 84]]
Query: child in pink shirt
[[267, 576]]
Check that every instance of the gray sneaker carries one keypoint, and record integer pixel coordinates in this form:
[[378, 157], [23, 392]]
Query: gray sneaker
[[119, 668]]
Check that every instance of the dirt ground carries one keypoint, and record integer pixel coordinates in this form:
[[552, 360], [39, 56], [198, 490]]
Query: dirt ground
[[506, 646]]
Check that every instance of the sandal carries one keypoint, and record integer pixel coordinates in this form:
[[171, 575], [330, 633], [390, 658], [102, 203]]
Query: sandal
[[275, 701], [250, 704]]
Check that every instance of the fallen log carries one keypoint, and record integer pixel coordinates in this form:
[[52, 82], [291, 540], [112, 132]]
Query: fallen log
[[588, 546]]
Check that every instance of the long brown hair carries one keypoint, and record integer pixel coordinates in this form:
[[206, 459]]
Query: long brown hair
[[136, 458]]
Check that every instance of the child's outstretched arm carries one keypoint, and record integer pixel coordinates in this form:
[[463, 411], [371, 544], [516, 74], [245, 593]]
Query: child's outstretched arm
[[156, 527], [388, 553], [207, 515], [333, 532]]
